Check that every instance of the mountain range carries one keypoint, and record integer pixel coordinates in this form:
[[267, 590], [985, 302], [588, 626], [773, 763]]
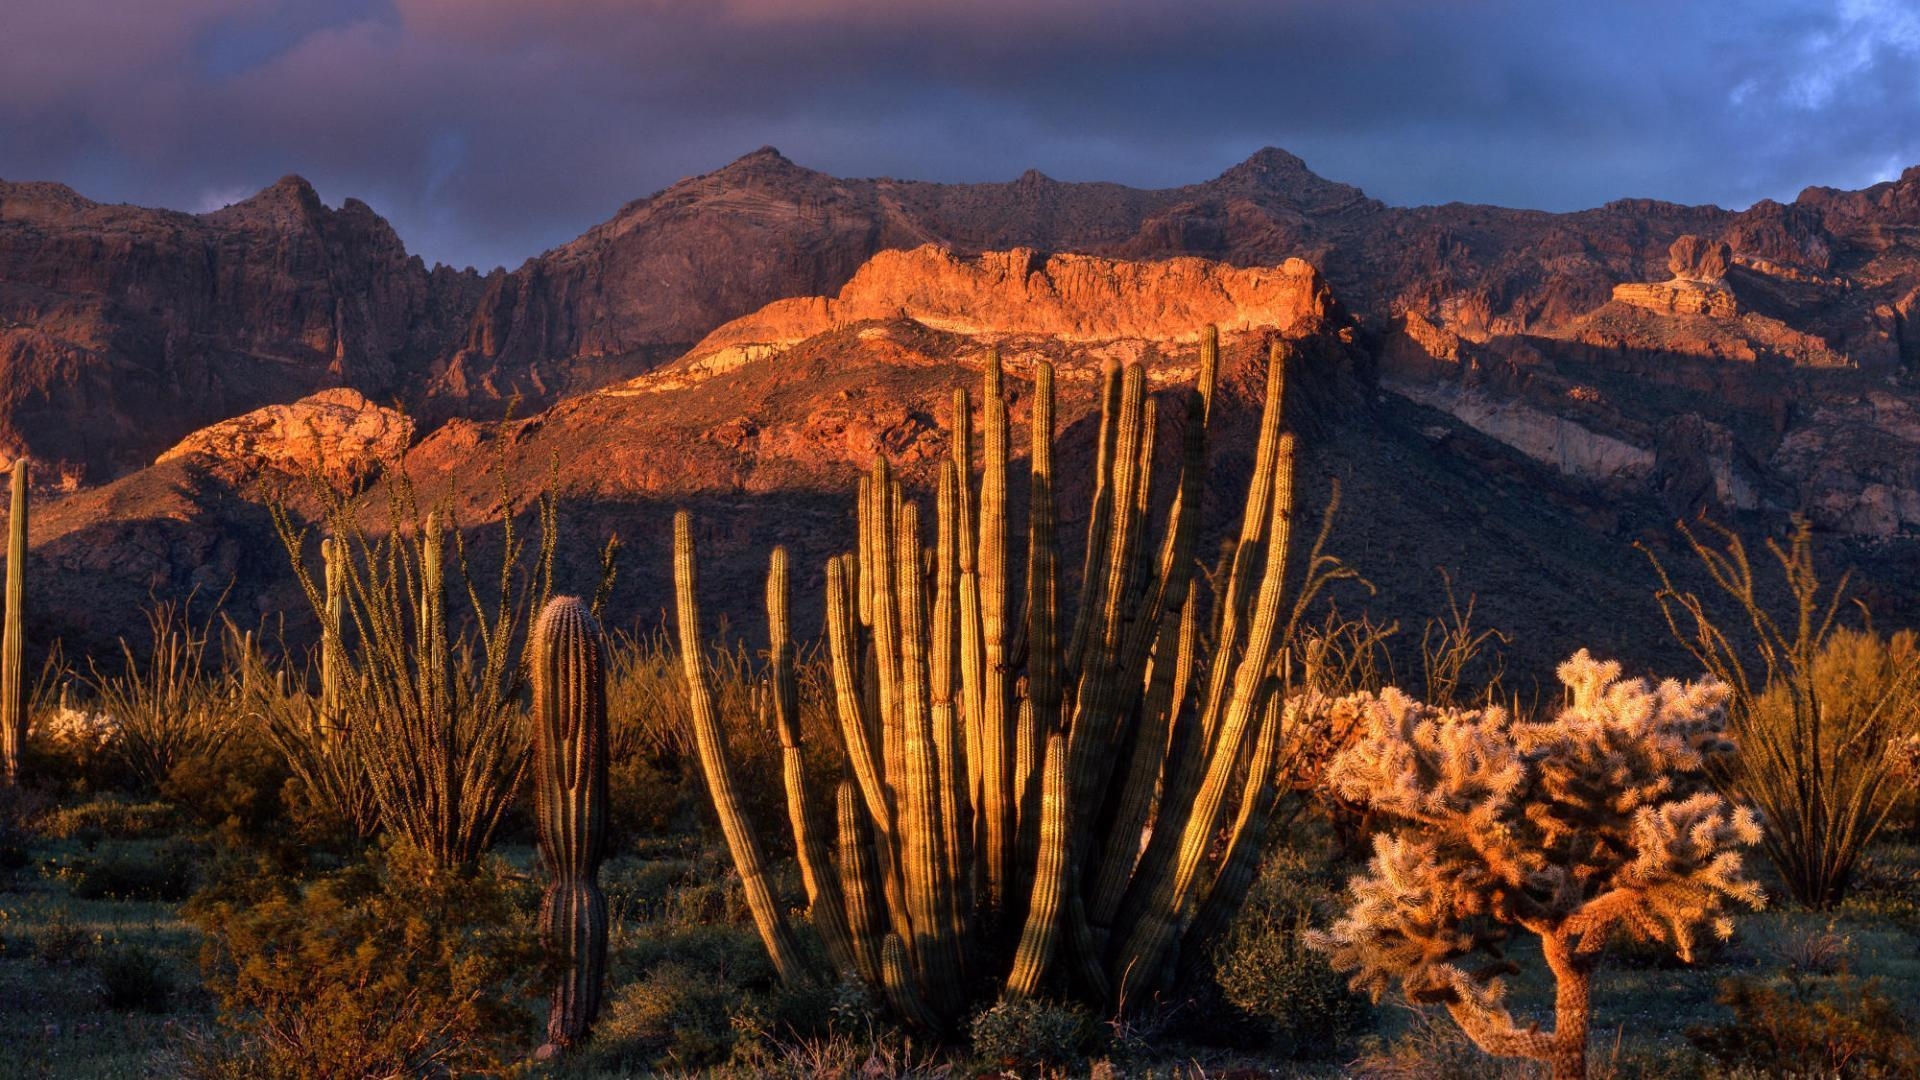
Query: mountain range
[[1511, 396]]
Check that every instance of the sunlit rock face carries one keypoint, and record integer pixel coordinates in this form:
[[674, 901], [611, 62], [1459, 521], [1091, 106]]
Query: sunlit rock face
[[338, 434], [1699, 283]]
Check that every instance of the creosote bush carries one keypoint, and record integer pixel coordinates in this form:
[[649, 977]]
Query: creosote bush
[[1600, 819], [1267, 971], [1845, 1028], [1032, 1036], [378, 969]]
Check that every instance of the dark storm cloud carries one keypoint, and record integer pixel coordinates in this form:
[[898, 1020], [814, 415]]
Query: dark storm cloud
[[487, 130]]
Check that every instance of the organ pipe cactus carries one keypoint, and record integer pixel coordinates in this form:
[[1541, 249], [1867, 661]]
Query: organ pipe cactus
[[742, 841], [570, 795], [13, 639], [1034, 801], [332, 619]]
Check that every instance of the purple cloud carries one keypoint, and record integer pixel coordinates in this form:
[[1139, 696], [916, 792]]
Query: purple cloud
[[487, 130]]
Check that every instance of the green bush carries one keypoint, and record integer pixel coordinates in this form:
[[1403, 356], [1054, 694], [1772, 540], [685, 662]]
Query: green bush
[[133, 980], [379, 969], [1265, 969], [678, 1016], [1843, 1027], [21, 813], [1032, 1034], [112, 817], [163, 873], [63, 942], [234, 786]]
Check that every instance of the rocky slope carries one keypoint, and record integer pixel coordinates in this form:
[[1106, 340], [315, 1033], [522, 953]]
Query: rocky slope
[[124, 329], [1516, 396]]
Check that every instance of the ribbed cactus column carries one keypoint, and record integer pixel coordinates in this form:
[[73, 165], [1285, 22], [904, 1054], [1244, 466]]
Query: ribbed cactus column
[[824, 900], [1055, 811], [570, 795], [333, 562], [13, 640], [711, 740]]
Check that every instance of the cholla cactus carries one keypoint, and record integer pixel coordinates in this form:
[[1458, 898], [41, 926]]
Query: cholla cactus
[[1600, 818]]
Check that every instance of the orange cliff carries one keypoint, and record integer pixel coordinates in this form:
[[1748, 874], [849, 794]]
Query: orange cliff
[[1071, 298]]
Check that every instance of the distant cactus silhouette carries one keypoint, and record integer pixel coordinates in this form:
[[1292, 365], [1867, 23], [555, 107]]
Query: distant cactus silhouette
[[1601, 819], [570, 797], [13, 639], [1006, 764]]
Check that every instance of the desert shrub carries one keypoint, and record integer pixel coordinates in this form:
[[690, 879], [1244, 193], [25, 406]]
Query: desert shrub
[[166, 704], [1844, 1028], [1821, 712], [328, 798], [132, 979], [1032, 1034], [379, 969], [654, 781], [856, 1044], [23, 813], [235, 789], [63, 942], [1265, 968], [677, 1016], [1432, 1048], [111, 817], [163, 872]]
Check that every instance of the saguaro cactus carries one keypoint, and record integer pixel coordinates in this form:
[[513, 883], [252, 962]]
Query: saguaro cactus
[[13, 640], [570, 794], [993, 825]]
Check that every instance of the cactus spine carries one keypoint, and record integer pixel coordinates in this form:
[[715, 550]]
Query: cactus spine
[[13, 640], [570, 763], [1003, 774]]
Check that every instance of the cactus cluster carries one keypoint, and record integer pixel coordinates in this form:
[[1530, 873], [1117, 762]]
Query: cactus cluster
[[1037, 797], [570, 794], [13, 639]]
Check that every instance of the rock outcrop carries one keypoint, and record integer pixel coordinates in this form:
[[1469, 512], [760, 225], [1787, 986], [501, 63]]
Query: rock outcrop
[[123, 329], [337, 434], [1070, 298], [1698, 287]]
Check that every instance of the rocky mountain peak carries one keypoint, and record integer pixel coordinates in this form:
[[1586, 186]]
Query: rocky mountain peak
[[290, 201], [1272, 172]]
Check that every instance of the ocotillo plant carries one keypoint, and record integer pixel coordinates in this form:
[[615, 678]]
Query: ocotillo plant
[[428, 710], [570, 795], [13, 640], [1006, 762]]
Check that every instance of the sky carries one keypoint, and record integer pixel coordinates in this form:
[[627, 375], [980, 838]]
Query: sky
[[489, 130]]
